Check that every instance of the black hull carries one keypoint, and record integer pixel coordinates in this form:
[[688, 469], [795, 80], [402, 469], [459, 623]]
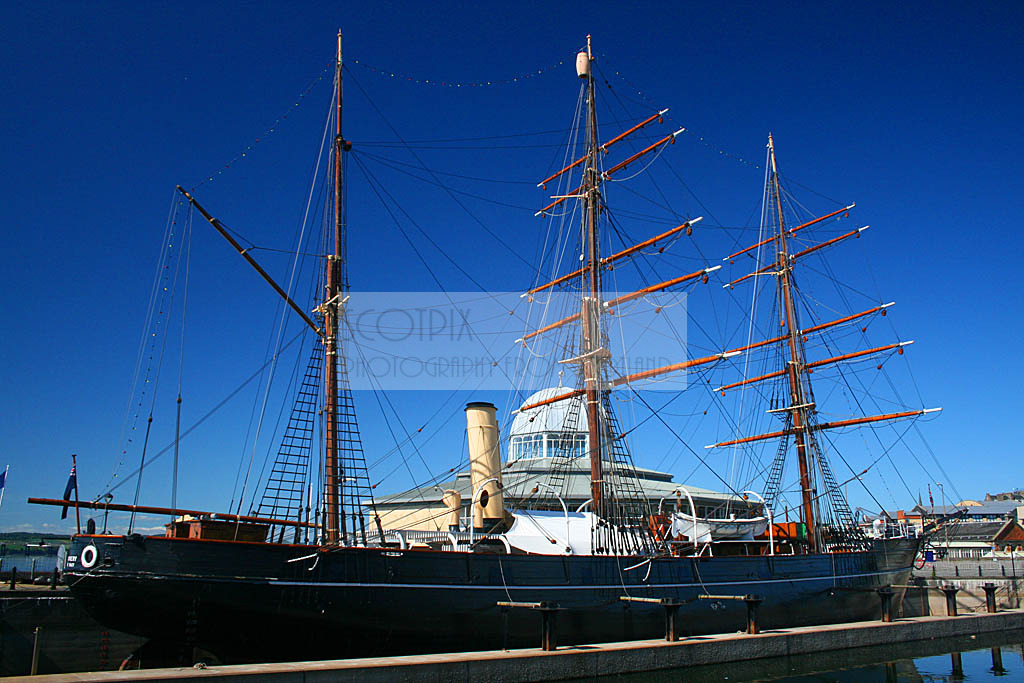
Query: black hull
[[267, 602]]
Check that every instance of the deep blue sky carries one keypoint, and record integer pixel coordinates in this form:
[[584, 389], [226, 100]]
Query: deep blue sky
[[912, 111]]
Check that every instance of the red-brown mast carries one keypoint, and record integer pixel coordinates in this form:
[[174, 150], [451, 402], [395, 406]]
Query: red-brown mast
[[591, 306], [331, 323], [797, 406]]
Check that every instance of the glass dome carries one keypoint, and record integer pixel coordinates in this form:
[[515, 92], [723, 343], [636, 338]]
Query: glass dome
[[554, 430]]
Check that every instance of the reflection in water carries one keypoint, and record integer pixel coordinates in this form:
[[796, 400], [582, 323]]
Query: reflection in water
[[961, 658], [997, 662], [958, 664]]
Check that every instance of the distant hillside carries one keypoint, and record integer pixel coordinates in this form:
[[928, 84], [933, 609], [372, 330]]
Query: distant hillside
[[17, 540]]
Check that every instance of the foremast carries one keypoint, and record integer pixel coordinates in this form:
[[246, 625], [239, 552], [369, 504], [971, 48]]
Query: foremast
[[798, 407]]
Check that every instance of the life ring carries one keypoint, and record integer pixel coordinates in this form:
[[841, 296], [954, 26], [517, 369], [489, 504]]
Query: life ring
[[89, 556]]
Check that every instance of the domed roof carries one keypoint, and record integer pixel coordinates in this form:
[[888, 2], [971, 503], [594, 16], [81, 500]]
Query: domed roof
[[553, 417]]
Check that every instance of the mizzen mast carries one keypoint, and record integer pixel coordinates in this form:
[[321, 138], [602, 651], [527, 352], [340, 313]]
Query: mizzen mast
[[334, 517], [590, 313]]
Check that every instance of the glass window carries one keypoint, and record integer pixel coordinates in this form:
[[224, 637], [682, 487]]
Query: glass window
[[526, 446]]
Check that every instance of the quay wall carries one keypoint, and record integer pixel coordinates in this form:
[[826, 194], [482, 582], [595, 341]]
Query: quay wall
[[587, 661]]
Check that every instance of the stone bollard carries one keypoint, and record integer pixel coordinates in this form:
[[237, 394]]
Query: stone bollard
[[990, 597], [886, 593], [950, 592]]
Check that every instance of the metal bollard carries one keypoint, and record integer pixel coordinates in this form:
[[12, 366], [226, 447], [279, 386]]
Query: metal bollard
[[548, 630], [32, 574], [14, 578], [886, 593], [671, 621], [753, 608], [950, 592], [53, 580], [990, 597]]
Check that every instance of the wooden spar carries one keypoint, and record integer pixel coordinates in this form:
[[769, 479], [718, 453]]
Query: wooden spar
[[95, 505], [590, 306], [604, 148], [826, 425], [753, 380], [809, 330], [252, 262], [799, 254], [650, 242], [817, 363], [607, 261], [671, 137], [552, 326], [646, 374], [759, 271], [623, 299], [625, 134], [559, 200], [554, 399], [799, 416], [659, 287], [811, 250], [791, 231], [840, 321]]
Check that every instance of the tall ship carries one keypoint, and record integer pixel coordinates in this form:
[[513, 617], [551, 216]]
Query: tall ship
[[323, 566]]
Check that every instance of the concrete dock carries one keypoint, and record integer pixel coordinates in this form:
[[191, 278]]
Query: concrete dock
[[585, 661]]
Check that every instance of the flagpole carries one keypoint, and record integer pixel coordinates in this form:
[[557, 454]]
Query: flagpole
[[4, 487], [78, 519]]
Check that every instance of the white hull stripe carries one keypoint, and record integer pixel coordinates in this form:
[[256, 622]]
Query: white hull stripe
[[562, 587]]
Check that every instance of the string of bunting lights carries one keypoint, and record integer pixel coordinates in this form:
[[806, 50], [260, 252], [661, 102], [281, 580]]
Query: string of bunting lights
[[700, 138], [386, 73], [381, 72], [271, 129]]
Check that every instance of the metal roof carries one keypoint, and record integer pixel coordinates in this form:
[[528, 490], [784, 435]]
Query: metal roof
[[521, 476]]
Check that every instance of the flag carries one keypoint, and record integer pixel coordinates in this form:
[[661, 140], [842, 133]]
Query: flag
[[3, 482], [931, 501], [72, 486]]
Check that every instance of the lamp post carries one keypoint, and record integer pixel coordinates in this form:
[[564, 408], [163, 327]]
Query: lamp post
[[1013, 579], [945, 529]]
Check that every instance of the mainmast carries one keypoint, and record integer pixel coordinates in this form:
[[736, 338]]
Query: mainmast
[[331, 308], [798, 407], [590, 313]]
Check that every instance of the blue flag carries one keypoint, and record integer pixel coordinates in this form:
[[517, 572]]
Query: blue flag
[[3, 480], [72, 486]]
